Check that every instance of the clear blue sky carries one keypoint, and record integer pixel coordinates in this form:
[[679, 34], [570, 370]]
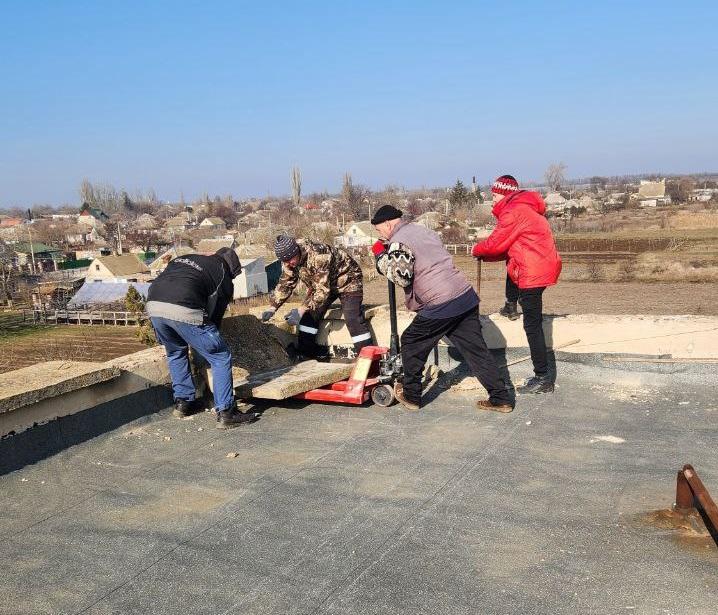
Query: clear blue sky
[[224, 97]]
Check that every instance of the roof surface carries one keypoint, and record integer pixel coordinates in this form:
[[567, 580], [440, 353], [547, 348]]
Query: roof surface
[[99, 293], [124, 264], [366, 510]]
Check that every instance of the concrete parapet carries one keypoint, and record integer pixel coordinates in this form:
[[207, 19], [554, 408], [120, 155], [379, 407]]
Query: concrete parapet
[[37, 395]]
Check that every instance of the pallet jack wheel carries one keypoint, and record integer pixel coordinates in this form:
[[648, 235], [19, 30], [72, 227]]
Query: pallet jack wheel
[[383, 395]]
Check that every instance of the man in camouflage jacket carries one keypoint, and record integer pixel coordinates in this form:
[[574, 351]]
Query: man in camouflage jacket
[[327, 273]]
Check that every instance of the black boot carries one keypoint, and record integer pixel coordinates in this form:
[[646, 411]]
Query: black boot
[[184, 408], [536, 384], [226, 419], [510, 310]]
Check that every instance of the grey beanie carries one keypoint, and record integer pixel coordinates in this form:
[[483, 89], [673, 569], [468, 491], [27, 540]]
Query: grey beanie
[[285, 247]]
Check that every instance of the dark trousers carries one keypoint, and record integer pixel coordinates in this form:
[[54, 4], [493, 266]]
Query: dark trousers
[[464, 331], [512, 291], [353, 313], [531, 301]]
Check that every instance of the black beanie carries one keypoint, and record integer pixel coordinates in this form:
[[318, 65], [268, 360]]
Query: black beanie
[[230, 257], [386, 212], [285, 247]]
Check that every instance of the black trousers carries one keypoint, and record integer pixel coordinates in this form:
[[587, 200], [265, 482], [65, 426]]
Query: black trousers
[[512, 291], [531, 300], [464, 331], [353, 313]]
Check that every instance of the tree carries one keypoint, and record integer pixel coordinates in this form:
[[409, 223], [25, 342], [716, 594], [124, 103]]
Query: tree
[[295, 178], [135, 303], [555, 176], [353, 197], [7, 273], [459, 195]]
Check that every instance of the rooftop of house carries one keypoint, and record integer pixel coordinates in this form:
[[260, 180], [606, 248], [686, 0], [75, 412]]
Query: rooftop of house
[[214, 220], [364, 226], [124, 264], [37, 247], [210, 246]]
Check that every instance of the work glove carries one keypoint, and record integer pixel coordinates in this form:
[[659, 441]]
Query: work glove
[[267, 314], [294, 316], [378, 248]]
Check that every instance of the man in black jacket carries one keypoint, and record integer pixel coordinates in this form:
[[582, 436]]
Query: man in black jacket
[[186, 304]]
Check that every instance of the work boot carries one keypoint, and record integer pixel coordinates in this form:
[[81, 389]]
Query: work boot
[[231, 417], [185, 407], [487, 404], [536, 384], [510, 311], [399, 394]]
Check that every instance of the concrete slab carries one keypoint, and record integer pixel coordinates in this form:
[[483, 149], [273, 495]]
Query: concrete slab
[[30, 385], [370, 510]]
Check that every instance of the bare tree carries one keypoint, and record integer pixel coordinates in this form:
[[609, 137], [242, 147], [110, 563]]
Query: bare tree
[[354, 197], [296, 181], [555, 176], [7, 273]]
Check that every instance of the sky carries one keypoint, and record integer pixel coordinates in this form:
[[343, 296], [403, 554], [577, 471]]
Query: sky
[[225, 97]]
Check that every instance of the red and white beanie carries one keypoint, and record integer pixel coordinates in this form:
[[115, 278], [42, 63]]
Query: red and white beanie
[[506, 184]]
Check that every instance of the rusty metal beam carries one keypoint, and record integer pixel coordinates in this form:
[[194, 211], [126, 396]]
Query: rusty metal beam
[[690, 492]]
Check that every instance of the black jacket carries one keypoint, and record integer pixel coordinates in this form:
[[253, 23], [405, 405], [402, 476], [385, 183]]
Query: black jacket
[[198, 282]]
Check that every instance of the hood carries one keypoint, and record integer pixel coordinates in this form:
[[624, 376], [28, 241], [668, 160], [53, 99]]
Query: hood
[[523, 197], [231, 259]]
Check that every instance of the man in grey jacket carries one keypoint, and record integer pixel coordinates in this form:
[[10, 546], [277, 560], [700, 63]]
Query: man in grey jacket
[[413, 257]]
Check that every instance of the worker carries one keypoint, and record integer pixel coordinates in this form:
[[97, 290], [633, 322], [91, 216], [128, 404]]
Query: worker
[[523, 238], [327, 273], [186, 304], [414, 258]]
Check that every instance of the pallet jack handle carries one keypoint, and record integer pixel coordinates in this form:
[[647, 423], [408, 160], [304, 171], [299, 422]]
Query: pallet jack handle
[[394, 340]]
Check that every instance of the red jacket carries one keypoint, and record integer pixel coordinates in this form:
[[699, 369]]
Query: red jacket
[[523, 237]]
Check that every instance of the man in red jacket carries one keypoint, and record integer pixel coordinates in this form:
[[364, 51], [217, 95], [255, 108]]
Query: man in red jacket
[[523, 238]]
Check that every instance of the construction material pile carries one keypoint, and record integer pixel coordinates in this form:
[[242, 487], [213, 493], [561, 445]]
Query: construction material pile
[[255, 346]]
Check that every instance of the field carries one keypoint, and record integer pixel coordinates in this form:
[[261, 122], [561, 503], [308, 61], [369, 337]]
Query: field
[[637, 270], [23, 344]]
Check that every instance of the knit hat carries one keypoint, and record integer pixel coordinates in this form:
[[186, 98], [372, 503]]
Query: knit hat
[[386, 212], [285, 247], [230, 257], [506, 184]]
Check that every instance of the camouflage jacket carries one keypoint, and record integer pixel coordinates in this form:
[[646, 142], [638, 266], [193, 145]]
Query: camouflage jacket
[[324, 271]]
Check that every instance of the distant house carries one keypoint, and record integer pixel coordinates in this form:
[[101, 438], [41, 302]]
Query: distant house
[[160, 263], [359, 234], [81, 234], [45, 257], [108, 296], [431, 219], [210, 246], [145, 223], [213, 223], [554, 200], [178, 223], [651, 193], [92, 216], [122, 268], [253, 279]]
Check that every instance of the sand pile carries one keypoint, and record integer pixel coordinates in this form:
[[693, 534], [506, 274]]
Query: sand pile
[[255, 345]]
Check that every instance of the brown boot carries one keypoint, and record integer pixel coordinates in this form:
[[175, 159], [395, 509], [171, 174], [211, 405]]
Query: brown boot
[[399, 394], [485, 404]]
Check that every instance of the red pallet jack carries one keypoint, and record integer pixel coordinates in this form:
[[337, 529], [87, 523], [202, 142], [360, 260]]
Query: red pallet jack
[[375, 372]]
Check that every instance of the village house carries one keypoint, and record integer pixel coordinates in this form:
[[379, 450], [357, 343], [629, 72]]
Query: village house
[[92, 216], [213, 224], [37, 256], [117, 268], [178, 223], [158, 265], [359, 234], [652, 193], [210, 246], [145, 224]]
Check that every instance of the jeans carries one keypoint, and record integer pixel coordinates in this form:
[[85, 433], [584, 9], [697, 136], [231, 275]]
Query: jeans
[[464, 331], [206, 340]]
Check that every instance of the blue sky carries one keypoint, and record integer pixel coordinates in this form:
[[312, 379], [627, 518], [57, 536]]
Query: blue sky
[[225, 97]]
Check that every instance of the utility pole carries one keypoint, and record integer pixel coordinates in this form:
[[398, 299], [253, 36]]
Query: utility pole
[[32, 252], [119, 240]]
